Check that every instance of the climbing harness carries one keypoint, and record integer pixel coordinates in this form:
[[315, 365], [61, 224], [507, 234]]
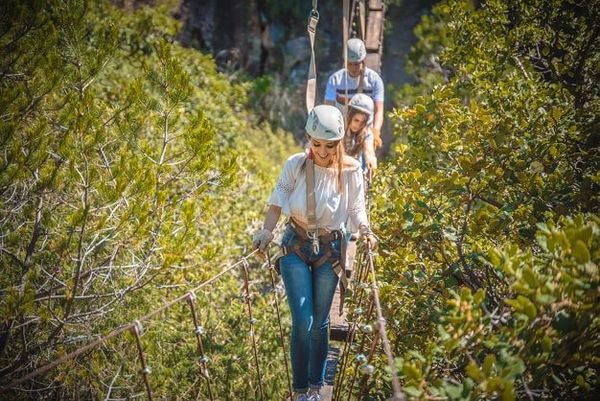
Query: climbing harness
[[324, 240], [318, 238], [313, 231]]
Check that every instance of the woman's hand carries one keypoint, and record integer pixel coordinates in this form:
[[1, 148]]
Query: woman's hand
[[369, 236], [371, 162], [261, 239], [372, 241]]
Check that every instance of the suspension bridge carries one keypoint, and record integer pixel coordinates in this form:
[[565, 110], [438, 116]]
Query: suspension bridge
[[357, 335]]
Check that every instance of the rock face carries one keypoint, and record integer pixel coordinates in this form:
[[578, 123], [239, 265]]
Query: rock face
[[229, 29], [251, 36]]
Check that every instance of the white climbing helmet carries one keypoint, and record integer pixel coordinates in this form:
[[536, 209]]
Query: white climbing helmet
[[357, 51], [325, 123], [363, 103]]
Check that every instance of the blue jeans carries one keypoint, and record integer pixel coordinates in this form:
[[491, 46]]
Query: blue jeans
[[309, 295]]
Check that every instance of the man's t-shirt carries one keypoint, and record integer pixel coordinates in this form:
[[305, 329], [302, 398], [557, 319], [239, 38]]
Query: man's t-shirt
[[336, 86]]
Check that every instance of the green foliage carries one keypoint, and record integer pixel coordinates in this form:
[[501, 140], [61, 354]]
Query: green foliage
[[547, 338], [129, 173], [487, 298]]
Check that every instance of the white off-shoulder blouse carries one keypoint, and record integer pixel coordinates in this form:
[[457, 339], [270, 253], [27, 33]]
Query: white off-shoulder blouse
[[332, 206]]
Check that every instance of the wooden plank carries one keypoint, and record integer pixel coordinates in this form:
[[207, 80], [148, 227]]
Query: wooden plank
[[375, 4], [373, 61], [338, 325], [374, 28]]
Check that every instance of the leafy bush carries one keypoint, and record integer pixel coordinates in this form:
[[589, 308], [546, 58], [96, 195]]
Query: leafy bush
[[129, 173], [486, 297]]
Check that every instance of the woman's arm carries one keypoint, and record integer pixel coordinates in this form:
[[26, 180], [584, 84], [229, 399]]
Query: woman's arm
[[357, 209], [263, 237], [369, 152], [272, 217]]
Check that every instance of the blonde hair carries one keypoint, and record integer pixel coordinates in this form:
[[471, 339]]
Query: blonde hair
[[355, 149]]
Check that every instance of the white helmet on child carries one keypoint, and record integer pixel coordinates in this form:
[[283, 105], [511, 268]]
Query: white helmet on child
[[357, 51], [363, 103], [325, 123]]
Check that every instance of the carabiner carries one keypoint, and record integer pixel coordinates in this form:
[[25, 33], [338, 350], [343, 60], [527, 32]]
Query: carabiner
[[314, 237]]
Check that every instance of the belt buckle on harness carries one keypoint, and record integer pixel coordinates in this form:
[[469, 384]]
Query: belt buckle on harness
[[314, 238]]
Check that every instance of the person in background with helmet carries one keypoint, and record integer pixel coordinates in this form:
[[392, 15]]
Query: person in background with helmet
[[357, 79], [312, 263], [359, 141]]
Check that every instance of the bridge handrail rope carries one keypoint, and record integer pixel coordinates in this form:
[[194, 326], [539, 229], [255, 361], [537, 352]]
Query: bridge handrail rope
[[198, 331], [252, 322], [360, 278], [137, 332], [136, 328], [281, 336], [357, 11], [381, 329], [367, 258], [380, 332]]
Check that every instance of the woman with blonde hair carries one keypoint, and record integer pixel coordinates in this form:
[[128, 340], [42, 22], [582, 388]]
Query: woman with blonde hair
[[359, 140], [319, 191]]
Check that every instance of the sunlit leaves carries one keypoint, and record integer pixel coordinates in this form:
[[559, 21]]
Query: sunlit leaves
[[496, 146]]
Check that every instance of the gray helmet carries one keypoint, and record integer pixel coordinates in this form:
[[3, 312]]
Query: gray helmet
[[363, 103], [357, 51], [325, 123]]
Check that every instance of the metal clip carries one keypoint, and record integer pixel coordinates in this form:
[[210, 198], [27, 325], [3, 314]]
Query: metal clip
[[313, 20], [314, 238]]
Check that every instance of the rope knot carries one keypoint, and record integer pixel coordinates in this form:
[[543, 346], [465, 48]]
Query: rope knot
[[138, 328]]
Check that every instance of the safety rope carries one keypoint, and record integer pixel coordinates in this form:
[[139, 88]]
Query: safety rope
[[137, 331], [311, 83], [381, 329], [281, 336], [363, 274], [198, 331], [252, 322], [345, 10]]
